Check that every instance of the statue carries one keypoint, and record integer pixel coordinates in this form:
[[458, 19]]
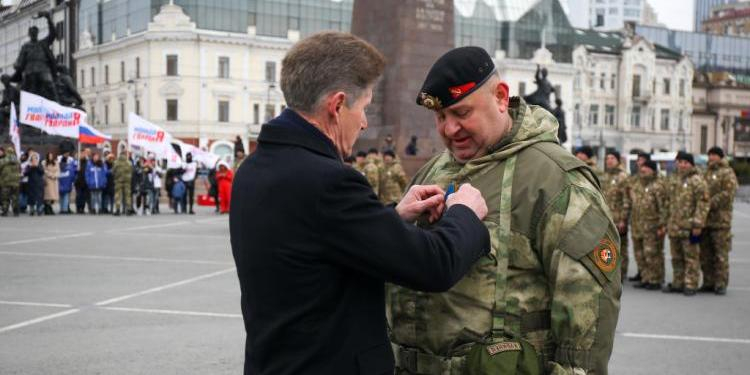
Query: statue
[[66, 89], [35, 66], [10, 95], [540, 97], [560, 116]]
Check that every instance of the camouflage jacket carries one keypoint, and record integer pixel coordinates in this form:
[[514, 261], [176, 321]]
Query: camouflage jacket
[[552, 275], [10, 169], [615, 188], [688, 203], [392, 182], [122, 171], [372, 174], [649, 199], [722, 185]]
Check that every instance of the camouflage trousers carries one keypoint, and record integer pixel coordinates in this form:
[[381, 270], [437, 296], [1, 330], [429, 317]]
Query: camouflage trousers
[[640, 260], [652, 266], [685, 263], [122, 191], [8, 196], [624, 253], [715, 247]]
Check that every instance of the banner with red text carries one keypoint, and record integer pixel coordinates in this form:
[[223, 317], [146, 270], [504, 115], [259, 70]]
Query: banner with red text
[[148, 137], [50, 117]]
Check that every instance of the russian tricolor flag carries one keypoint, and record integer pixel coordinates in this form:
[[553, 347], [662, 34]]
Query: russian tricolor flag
[[87, 134]]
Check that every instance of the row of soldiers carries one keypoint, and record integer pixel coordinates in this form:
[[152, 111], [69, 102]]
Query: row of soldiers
[[384, 173], [692, 208]]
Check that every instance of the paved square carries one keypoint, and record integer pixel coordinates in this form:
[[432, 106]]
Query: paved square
[[159, 295]]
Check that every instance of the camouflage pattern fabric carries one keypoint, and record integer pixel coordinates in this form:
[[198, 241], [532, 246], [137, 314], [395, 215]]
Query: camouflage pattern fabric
[[649, 213], [615, 187], [688, 209], [8, 197], [122, 172], [561, 284], [714, 255], [10, 169], [392, 182], [372, 173], [722, 186], [685, 263]]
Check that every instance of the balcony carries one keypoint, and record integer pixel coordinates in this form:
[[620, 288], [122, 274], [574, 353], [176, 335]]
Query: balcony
[[641, 96]]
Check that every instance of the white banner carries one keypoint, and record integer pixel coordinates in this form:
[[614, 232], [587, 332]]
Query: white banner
[[148, 137], [15, 133], [208, 159], [49, 116], [173, 158]]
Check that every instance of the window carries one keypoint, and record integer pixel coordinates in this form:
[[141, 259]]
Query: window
[[256, 113], [704, 138], [122, 112], [679, 122], [171, 109], [652, 115], [223, 111], [106, 74], [270, 112], [609, 115], [594, 115], [599, 18], [665, 119], [106, 114], [613, 11], [137, 67], [601, 81], [122, 71], [172, 65], [83, 79], [635, 117], [612, 82], [293, 23], [138, 107], [521, 88], [270, 71], [682, 88], [93, 76], [223, 67], [666, 86], [636, 85]]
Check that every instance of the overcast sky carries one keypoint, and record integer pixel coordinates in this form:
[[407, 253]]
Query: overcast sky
[[675, 14]]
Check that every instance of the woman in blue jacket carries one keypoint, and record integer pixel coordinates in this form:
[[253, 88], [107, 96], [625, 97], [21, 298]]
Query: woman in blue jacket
[[68, 172], [96, 180]]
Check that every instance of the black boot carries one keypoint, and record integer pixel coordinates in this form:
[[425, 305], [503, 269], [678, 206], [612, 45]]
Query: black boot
[[669, 288], [637, 277]]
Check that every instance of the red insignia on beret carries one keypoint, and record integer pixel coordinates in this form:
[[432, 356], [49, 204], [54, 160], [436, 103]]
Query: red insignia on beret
[[458, 91]]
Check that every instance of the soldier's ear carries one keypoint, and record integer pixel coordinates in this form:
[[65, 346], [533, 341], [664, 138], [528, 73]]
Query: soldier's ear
[[502, 96]]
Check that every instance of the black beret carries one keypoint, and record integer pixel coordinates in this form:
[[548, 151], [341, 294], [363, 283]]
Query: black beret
[[686, 157], [644, 155], [716, 150], [373, 150], [586, 150], [361, 154], [614, 153], [651, 164], [389, 153], [455, 75]]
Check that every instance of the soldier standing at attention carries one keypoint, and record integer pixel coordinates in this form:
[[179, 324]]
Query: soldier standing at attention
[[359, 162], [547, 297], [10, 180], [717, 237], [688, 208], [372, 169], [393, 179], [632, 180], [615, 189], [586, 155], [122, 172], [649, 219]]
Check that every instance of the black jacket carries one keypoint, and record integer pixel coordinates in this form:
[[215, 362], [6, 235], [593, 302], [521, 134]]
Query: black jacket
[[313, 248]]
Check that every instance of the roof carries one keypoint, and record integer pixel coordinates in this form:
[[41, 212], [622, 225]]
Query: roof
[[611, 42]]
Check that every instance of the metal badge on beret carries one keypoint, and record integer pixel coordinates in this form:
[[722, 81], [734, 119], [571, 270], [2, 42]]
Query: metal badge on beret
[[430, 102]]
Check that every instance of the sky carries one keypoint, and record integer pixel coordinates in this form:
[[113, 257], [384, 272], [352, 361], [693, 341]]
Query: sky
[[675, 14]]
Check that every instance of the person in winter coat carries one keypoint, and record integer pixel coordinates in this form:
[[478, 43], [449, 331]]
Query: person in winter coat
[[108, 194], [82, 189], [122, 174], [10, 178], [213, 187], [147, 188], [35, 173], [68, 172], [224, 178], [96, 180], [178, 194], [136, 182], [23, 192], [51, 186], [158, 177]]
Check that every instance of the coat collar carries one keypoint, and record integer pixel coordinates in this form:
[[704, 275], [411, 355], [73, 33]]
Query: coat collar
[[289, 128]]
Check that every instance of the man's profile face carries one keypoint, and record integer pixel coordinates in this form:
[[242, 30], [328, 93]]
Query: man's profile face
[[683, 165], [713, 158], [612, 161], [469, 127], [646, 171], [353, 120]]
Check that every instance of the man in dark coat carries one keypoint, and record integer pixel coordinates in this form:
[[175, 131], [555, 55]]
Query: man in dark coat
[[312, 243]]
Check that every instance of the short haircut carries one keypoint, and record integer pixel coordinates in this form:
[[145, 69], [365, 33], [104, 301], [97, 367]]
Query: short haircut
[[328, 62]]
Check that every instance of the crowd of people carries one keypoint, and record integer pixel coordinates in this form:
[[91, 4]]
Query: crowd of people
[[691, 207], [98, 182], [383, 171]]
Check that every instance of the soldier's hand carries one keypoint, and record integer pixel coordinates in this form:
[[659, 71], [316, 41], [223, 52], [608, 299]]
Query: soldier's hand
[[622, 227], [470, 197], [422, 199], [661, 232], [697, 232]]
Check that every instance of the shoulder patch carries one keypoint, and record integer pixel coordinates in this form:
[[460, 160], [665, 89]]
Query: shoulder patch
[[501, 347], [605, 255]]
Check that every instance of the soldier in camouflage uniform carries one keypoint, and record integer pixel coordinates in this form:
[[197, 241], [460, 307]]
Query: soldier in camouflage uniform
[[372, 169], [638, 253], [552, 279], [649, 219], [586, 155], [688, 208], [392, 180], [122, 172], [717, 236], [615, 188], [10, 181]]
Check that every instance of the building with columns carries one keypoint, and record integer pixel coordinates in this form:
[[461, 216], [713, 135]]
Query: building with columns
[[205, 87], [631, 94], [721, 114]]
